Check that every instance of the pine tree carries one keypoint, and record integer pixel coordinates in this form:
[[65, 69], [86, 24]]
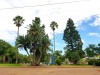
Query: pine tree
[[72, 39]]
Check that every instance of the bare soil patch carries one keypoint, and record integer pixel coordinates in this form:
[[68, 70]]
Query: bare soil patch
[[49, 71]]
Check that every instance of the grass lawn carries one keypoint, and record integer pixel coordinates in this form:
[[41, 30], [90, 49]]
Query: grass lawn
[[24, 65], [11, 65]]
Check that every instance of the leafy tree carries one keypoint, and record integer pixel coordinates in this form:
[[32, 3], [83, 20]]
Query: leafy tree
[[98, 49], [23, 59], [4, 46], [58, 53], [59, 57], [72, 39], [73, 56], [53, 26], [92, 50], [11, 54]]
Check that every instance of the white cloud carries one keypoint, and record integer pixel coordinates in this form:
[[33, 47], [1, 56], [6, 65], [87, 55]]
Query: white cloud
[[94, 34], [83, 41], [96, 22], [59, 13]]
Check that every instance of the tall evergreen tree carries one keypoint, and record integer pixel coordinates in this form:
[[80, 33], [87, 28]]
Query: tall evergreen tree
[[72, 38]]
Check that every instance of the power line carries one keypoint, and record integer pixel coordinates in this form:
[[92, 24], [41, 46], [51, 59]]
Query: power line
[[41, 5]]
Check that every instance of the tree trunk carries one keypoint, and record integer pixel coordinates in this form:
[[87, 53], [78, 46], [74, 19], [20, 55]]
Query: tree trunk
[[39, 60], [17, 56], [4, 59], [34, 57], [18, 32], [54, 45], [17, 47], [27, 53]]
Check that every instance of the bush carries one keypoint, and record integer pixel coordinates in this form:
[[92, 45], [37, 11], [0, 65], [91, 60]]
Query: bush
[[58, 61], [92, 61], [82, 61], [95, 62]]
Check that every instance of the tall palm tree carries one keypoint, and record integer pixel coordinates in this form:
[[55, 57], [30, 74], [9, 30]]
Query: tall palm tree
[[53, 26], [18, 20]]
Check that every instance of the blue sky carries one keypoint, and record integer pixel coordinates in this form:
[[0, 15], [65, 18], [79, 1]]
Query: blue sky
[[84, 13]]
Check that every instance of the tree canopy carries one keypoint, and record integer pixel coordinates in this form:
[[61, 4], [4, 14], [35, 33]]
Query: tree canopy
[[73, 41]]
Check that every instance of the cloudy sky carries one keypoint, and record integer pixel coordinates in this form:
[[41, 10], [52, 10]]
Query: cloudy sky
[[85, 14]]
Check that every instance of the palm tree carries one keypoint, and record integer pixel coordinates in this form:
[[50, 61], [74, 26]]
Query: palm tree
[[45, 43], [53, 26], [35, 33], [18, 20], [23, 43], [38, 39]]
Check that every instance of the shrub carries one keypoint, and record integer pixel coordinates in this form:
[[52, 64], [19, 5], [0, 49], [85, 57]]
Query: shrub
[[58, 61], [97, 63], [92, 61], [82, 61]]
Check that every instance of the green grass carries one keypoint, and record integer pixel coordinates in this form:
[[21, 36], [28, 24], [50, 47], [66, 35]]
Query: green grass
[[11, 65]]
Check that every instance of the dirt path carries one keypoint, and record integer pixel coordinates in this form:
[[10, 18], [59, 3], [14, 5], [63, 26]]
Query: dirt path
[[49, 71]]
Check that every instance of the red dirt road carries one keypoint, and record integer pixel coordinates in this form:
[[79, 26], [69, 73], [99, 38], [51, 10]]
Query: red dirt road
[[49, 71]]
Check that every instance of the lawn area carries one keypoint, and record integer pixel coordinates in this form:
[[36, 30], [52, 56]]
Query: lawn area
[[11, 65], [61, 66]]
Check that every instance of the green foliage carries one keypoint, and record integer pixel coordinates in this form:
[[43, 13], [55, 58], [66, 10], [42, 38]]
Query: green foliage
[[58, 54], [58, 61], [4, 46], [97, 63], [92, 61], [18, 20], [11, 54], [82, 61], [71, 36], [53, 25], [92, 50], [73, 56], [23, 58], [23, 43], [74, 43], [38, 39]]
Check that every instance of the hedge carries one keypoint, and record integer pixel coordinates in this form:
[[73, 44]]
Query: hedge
[[95, 62]]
